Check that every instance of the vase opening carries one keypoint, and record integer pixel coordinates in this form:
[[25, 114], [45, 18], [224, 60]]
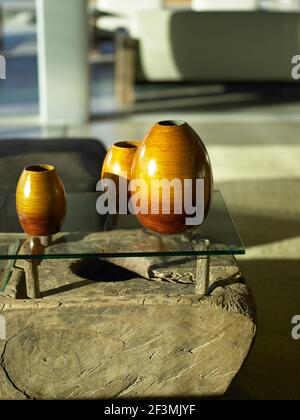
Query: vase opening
[[39, 168], [132, 144], [171, 123]]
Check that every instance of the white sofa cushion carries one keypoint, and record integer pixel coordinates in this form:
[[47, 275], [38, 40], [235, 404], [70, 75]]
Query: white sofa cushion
[[222, 5], [218, 46], [126, 11]]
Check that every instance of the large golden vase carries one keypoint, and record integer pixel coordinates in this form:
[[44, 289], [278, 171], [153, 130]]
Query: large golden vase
[[171, 150]]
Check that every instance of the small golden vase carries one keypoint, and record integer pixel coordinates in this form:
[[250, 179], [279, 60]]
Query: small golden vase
[[40, 200]]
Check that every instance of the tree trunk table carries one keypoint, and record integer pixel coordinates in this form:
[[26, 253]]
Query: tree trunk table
[[124, 328]]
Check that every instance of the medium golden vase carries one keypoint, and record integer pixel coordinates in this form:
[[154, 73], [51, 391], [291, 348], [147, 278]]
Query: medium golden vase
[[118, 162]]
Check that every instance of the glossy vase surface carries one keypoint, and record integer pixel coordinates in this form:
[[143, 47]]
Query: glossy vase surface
[[171, 150], [118, 162], [40, 200]]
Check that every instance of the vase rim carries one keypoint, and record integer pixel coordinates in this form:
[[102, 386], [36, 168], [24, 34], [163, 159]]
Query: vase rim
[[171, 123], [127, 144], [40, 168]]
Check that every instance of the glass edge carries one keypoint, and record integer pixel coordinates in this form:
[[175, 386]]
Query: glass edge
[[122, 255], [232, 221]]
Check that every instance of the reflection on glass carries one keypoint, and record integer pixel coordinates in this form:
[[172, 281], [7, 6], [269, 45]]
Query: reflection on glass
[[86, 234]]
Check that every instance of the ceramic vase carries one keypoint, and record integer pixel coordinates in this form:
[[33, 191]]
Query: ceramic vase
[[118, 162], [171, 150], [40, 200]]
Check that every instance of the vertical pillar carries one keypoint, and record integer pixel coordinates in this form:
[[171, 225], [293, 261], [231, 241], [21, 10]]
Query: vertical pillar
[[202, 268], [62, 28]]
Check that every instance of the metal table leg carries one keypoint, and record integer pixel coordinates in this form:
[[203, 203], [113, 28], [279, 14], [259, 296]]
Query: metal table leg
[[202, 269], [32, 279], [34, 246], [46, 240]]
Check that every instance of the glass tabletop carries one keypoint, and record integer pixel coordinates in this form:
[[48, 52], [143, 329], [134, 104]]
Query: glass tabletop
[[86, 234]]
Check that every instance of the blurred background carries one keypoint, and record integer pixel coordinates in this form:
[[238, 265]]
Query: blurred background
[[109, 69], [144, 55]]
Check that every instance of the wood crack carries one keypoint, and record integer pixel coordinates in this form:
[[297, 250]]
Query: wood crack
[[129, 387], [2, 365]]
